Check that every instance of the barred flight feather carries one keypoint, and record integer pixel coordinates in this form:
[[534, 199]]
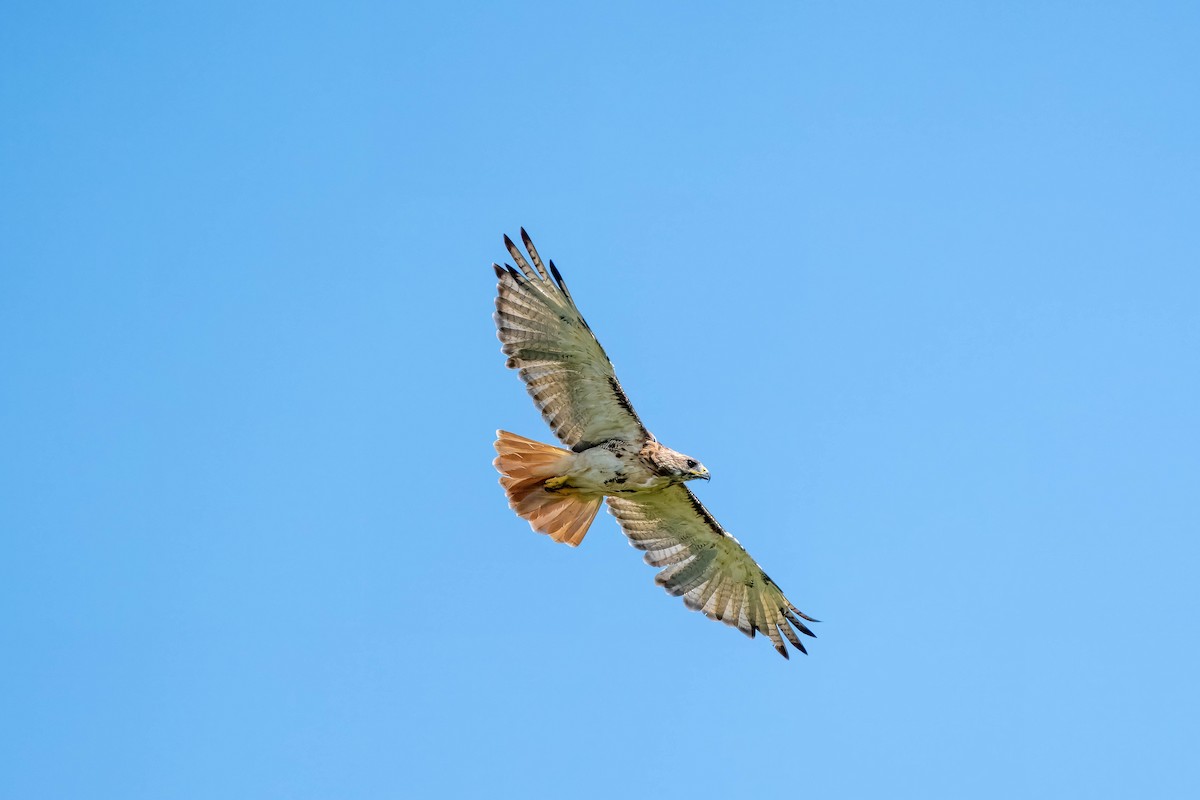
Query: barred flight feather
[[562, 364], [706, 566]]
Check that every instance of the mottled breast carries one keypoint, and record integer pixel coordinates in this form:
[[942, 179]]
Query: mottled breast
[[614, 467]]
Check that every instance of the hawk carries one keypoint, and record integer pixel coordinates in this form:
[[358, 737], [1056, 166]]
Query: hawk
[[612, 456]]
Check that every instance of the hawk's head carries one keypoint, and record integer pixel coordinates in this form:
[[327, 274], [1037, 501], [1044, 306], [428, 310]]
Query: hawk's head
[[669, 463]]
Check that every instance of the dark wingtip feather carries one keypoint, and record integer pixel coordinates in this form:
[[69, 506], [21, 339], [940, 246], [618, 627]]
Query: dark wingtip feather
[[500, 273], [533, 254], [782, 651], [797, 624], [802, 614], [518, 257]]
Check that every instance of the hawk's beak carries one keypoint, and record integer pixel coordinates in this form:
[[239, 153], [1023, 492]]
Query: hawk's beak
[[703, 474]]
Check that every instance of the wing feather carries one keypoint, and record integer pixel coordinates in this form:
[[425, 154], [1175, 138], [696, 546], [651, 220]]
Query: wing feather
[[706, 566], [566, 371]]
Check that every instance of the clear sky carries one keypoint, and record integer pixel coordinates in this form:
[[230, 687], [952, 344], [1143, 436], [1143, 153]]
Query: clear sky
[[918, 282]]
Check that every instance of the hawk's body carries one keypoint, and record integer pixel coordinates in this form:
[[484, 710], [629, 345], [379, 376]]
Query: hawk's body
[[620, 467], [613, 455]]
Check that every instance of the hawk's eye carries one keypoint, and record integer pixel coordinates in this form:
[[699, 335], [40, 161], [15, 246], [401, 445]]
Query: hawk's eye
[[691, 462]]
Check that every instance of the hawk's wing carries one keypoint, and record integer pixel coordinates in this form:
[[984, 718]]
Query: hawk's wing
[[707, 566], [563, 365]]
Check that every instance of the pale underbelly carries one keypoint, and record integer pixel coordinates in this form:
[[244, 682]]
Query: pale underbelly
[[602, 472]]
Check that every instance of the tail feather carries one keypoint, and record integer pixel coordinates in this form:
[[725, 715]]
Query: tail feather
[[525, 465]]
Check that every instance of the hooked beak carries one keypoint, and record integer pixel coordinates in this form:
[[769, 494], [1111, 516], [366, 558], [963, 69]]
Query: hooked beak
[[702, 473]]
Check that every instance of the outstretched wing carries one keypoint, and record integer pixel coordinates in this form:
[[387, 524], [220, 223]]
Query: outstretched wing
[[706, 566], [565, 369]]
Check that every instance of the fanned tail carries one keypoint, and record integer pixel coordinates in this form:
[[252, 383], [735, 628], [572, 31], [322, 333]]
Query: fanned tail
[[525, 465]]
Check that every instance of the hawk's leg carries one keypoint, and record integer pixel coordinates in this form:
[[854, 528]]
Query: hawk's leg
[[557, 484]]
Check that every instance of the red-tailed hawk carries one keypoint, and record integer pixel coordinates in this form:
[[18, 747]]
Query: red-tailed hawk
[[613, 456]]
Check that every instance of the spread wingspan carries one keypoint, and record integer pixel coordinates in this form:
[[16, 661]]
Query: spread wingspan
[[573, 384], [565, 369], [706, 566]]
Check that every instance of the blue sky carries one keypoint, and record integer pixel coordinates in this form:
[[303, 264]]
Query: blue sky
[[917, 282]]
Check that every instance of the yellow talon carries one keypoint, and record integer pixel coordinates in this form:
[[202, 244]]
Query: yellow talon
[[554, 484]]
